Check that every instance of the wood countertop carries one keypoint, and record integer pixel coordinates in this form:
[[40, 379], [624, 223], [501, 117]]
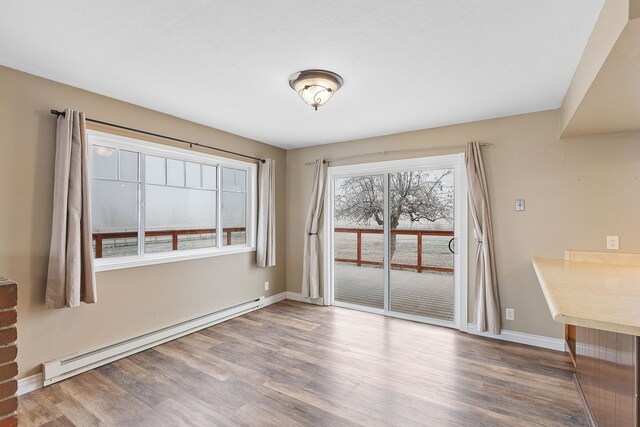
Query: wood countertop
[[598, 292]]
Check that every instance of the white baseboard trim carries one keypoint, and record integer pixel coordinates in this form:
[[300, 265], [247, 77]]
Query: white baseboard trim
[[36, 381], [274, 298], [296, 296], [522, 338], [63, 368], [66, 367], [28, 384]]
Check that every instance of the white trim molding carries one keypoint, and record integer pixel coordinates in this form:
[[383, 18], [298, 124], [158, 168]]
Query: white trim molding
[[556, 344], [296, 296], [274, 298], [29, 384], [108, 264]]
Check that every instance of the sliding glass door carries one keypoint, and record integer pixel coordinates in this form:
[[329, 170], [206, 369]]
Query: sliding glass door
[[393, 233]]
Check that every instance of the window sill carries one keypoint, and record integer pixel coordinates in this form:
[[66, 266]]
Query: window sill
[[106, 264]]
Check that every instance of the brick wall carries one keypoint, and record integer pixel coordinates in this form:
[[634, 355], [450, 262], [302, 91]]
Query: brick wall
[[8, 353]]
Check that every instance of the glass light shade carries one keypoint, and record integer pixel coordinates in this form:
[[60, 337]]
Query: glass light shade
[[315, 87], [315, 95]]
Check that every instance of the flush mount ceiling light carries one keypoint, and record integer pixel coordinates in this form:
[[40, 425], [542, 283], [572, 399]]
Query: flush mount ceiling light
[[315, 87]]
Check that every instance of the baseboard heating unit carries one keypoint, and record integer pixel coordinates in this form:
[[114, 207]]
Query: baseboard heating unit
[[60, 369]]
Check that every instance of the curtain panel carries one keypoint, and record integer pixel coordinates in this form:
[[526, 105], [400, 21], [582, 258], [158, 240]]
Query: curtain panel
[[71, 278], [487, 300], [311, 260], [266, 238]]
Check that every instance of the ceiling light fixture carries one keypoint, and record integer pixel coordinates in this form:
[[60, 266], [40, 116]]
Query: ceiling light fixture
[[315, 87]]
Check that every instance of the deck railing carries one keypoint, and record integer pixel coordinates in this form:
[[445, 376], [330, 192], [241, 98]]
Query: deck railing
[[419, 267], [99, 237], [418, 233]]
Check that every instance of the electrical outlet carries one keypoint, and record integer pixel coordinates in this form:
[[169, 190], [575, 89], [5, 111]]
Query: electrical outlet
[[511, 314], [519, 204], [612, 243], [266, 286]]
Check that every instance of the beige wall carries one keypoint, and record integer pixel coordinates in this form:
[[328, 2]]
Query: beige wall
[[634, 9], [577, 191], [131, 301], [611, 21], [612, 102]]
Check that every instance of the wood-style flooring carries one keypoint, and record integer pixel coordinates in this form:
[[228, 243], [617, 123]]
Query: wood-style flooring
[[299, 364]]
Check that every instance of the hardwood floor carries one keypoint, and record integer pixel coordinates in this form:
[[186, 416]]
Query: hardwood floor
[[299, 364]]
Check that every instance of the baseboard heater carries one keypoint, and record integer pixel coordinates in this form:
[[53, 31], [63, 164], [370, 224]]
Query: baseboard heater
[[60, 369]]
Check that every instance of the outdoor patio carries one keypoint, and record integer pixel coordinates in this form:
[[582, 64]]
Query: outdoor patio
[[427, 294]]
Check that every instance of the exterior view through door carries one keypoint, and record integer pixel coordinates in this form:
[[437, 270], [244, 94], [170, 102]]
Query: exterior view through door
[[395, 230]]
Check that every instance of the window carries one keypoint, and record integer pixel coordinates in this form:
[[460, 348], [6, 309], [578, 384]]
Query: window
[[178, 216], [115, 201], [152, 203], [234, 201]]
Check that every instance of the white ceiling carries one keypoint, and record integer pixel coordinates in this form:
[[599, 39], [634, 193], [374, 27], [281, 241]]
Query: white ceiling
[[407, 65]]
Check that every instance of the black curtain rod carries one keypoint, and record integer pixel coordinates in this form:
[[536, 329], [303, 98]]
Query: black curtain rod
[[191, 144]]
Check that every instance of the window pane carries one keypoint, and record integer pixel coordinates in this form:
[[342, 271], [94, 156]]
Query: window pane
[[209, 177], [179, 218], [105, 162], [359, 240], [436, 252], [241, 179], [228, 179], [234, 218], [155, 170], [114, 212], [196, 241], [193, 175], [234, 179], [175, 173], [128, 166]]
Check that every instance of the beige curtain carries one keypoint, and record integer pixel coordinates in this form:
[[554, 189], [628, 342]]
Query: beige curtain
[[266, 239], [71, 278], [487, 303], [311, 266]]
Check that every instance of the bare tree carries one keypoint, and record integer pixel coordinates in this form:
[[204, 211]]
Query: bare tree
[[414, 196]]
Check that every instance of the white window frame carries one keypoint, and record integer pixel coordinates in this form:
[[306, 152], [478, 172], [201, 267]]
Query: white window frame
[[453, 161], [149, 148]]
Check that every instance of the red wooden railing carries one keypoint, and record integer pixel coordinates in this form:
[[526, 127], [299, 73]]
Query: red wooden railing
[[99, 237], [419, 233]]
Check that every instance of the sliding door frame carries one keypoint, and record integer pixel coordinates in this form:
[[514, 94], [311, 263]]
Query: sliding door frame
[[453, 161]]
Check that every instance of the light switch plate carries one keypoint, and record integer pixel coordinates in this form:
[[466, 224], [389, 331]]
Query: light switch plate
[[613, 243], [519, 204]]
